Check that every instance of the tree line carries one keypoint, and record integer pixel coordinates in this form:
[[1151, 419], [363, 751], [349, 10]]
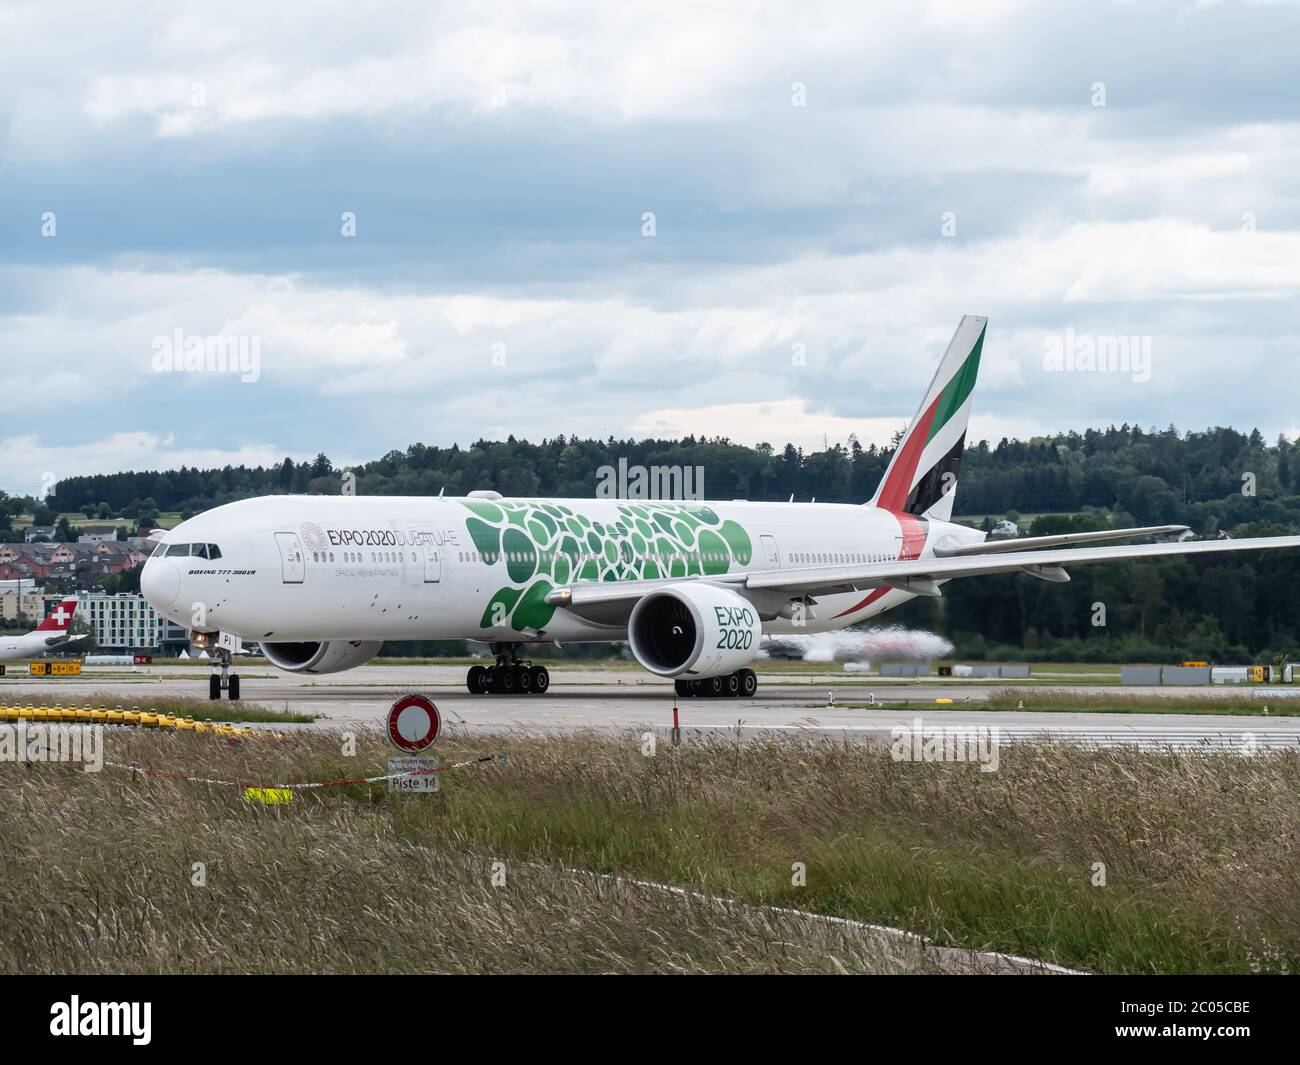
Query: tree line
[[1218, 481], [1147, 474]]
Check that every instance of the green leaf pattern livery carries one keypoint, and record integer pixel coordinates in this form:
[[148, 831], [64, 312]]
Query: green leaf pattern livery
[[545, 545]]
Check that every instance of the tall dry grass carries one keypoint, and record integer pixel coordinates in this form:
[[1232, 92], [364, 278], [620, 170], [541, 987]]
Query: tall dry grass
[[1200, 856]]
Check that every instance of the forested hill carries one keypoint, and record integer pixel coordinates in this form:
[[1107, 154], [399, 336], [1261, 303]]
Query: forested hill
[[1145, 476], [1236, 609]]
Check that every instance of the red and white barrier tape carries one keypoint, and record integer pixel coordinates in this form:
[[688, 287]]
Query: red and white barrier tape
[[302, 787]]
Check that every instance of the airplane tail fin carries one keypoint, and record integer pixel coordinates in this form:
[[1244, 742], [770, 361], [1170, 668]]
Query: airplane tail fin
[[922, 477], [60, 617]]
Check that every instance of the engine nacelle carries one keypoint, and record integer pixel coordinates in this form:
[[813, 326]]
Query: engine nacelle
[[332, 656], [694, 630]]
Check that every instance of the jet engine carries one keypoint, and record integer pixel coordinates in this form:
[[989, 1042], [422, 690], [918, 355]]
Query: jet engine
[[331, 656], [694, 631]]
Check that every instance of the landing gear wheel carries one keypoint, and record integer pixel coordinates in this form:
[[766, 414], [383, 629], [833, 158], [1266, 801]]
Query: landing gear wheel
[[223, 679], [748, 683], [510, 676], [474, 680], [714, 687], [697, 689], [683, 688], [733, 684]]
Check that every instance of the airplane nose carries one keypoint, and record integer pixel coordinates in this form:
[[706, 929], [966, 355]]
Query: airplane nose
[[160, 583]]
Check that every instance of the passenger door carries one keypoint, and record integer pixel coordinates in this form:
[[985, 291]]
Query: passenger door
[[771, 554], [432, 557], [292, 564]]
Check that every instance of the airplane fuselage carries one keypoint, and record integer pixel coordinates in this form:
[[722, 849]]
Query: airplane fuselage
[[29, 645], [301, 568]]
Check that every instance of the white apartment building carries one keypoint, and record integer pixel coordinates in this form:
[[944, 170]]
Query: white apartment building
[[98, 534], [126, 622]]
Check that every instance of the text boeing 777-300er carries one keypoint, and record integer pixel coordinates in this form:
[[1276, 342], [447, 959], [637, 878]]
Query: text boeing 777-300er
[[52, 632], [320, 582]]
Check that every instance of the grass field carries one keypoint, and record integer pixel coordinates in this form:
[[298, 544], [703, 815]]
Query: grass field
[[1200, 860], [1227, 703], [166, 520], [1188, 707], [1236, 705]]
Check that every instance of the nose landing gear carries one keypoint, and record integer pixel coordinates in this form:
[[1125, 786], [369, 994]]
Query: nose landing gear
[[509, 676], [224, 680]]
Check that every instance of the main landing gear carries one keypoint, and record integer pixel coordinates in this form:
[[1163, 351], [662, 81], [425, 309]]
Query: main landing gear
[[741, 684], [225, 681], [509, 676]]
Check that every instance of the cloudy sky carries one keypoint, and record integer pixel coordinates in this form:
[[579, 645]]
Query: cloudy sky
[[831, 187]]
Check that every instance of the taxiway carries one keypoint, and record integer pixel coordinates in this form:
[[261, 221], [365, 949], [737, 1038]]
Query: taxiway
[[620, 700]]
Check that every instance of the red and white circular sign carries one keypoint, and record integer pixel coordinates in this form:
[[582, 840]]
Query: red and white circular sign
[[413, 723]]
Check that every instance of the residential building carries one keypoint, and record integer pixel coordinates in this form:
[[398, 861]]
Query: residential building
[[97, 534], [30, 605], [40, 561], [126, 622]]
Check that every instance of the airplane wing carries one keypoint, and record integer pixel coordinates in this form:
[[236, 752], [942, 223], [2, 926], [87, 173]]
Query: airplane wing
[[919, 576], [1025, 543], [1047, 564]]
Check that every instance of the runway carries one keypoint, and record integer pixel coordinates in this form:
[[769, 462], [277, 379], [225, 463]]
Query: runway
[[622, 700]]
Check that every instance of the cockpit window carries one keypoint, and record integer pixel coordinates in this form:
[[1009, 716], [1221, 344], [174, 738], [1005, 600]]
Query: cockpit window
[[208, 551]]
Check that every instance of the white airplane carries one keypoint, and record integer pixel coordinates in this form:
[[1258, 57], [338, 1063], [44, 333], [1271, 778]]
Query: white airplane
[[50, 633], [320, 582]]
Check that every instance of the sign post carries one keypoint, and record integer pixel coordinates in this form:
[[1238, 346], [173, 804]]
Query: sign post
[[413, 726], [420, 781]]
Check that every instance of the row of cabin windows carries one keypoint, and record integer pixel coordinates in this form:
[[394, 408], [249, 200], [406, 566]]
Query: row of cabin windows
[[832, 558], [512, 556], [796, 557], [357, 556], [581, 557]]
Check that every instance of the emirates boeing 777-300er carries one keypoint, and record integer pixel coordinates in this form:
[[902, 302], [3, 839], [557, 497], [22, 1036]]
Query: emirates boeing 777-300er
[[321, 582], [49, 634]]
